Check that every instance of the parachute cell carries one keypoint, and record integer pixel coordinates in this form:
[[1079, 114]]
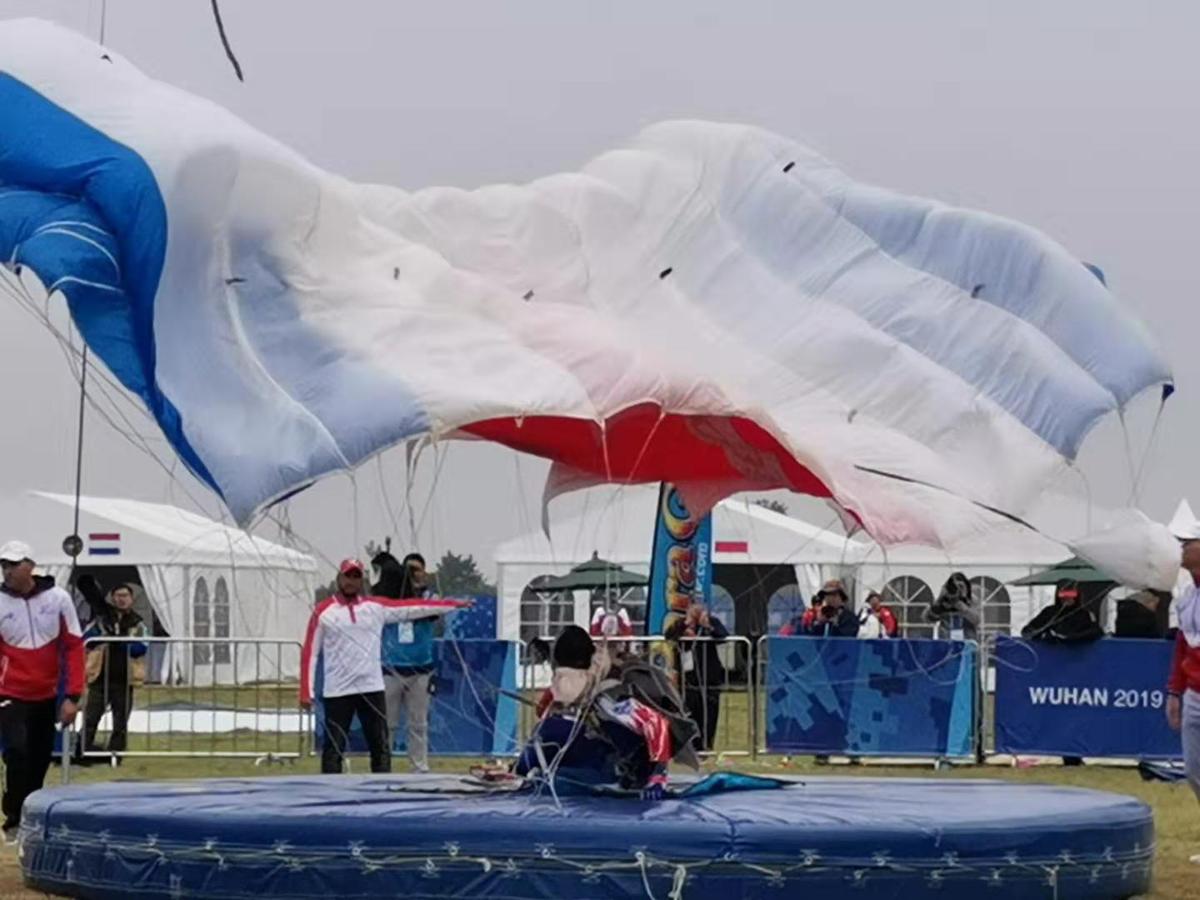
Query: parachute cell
[[712, 305]]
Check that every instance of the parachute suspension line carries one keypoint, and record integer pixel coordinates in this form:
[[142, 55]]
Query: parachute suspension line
[[237, 68], [1141, 470], [411, 455], [83, 368], [354, 503], [387, 496], [618, 496], [788, 559], [103, 19], [440, 452], [1133, 486]]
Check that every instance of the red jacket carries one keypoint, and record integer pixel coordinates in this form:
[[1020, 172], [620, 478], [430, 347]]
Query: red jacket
[[36, 632], [888, 620], [1185, 668]]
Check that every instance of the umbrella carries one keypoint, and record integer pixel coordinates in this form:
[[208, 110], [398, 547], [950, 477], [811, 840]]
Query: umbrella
[[1073, 569], [595, 574]]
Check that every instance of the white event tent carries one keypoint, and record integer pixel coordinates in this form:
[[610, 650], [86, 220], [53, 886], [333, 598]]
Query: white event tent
[[201, 578], [619, 529]]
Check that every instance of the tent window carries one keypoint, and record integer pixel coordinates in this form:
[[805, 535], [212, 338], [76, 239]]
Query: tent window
[[220, 611], [997, 606], [546, 614], [201, 623], [721, 606], [909, 597], [785, 604]]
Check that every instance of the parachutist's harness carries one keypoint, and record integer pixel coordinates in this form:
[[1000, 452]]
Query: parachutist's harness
[[621, 731]]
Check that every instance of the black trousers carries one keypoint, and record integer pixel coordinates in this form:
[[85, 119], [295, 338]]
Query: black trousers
[[371, 710], [104, 694], [703, 704], [27, 729]]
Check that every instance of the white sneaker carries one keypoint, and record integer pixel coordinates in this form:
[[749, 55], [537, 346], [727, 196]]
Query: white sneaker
[[12, 835], [1194, 860]]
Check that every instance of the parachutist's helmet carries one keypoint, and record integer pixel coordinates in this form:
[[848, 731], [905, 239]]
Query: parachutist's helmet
[[573, 649]]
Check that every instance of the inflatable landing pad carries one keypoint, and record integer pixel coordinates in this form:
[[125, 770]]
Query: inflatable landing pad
[[433, 837]]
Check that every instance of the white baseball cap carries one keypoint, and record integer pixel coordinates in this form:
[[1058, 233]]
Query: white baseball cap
[[15, 552]]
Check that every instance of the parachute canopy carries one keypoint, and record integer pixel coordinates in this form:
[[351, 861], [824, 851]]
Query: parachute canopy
[[711, 304]]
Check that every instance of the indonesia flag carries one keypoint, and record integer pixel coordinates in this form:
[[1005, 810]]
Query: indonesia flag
[[104, 544]]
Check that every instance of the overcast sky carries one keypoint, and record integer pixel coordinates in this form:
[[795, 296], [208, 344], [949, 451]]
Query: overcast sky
[[1081, 118]]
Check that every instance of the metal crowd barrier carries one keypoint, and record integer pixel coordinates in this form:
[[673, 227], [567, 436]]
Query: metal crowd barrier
[[734, 687], [210, 698]]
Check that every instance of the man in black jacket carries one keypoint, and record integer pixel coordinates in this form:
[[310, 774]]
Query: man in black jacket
[[1065, 621], [1137, 617], [703, 672]]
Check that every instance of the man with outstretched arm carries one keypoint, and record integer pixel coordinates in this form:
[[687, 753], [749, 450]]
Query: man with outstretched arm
[[346, 632]]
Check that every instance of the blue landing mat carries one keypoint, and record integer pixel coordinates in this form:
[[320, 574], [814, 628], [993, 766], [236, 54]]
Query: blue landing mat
[[437, 836]]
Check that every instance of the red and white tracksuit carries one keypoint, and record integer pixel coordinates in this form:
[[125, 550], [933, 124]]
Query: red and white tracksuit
[[349, 633], [36, 632]]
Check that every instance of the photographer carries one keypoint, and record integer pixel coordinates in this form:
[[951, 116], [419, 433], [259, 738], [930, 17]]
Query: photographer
[[953, 609], [833, 618]]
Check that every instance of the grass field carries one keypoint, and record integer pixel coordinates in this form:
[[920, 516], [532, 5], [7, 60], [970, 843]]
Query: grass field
[[1176, 812]]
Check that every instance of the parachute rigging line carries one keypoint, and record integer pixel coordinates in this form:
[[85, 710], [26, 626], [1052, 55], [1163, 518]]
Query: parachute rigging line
[[237, 68], [83, 369]]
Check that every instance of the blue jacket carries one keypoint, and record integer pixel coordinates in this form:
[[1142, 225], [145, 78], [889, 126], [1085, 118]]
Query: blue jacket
[[408, 647]]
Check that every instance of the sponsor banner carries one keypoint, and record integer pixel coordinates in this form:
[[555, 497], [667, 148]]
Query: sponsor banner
[[1106, 698]]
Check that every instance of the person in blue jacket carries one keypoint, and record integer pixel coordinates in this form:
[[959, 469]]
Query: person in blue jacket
[[408, 654]]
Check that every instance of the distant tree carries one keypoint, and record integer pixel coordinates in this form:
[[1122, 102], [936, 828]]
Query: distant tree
[[773, 505], [460, 576]]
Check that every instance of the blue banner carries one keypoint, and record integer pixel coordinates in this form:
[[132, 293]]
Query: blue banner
[[475, 622], [468, 714], [870, 697], [1106, 698], [681, 562]]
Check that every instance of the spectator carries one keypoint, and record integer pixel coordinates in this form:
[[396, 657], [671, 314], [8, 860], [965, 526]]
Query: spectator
[[1183, 684], [800, 624], [113, 668], [40, 643], [954, 608], [833, 617], [345, 631], [1065, 621], [1137, 616], [610, 622], [408, 655], [876, 620], [703, 672]]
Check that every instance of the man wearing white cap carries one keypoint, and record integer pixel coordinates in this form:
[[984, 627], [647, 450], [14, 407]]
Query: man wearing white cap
[[38, 628]]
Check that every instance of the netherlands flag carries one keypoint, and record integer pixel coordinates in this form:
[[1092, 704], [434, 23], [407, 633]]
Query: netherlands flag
[[104, 544]]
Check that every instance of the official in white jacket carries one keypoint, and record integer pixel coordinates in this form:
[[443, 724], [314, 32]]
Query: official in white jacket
[[344, 636]]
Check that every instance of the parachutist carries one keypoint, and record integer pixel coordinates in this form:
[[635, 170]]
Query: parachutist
[[607, 724]]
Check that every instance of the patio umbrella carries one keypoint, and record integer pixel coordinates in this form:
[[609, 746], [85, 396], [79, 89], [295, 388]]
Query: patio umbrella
[[1073, 569], [595, 574]]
